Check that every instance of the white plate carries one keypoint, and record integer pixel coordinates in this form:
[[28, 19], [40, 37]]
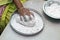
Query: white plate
[[46, 4], [27, 30]]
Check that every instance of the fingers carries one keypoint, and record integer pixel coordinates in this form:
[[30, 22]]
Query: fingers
[[25, 14], [26, 18]]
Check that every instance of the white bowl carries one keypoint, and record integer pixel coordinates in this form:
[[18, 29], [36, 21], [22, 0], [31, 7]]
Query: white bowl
[[47, 4]]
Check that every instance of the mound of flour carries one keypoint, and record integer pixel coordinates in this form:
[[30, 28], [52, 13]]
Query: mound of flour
[[53, 10]]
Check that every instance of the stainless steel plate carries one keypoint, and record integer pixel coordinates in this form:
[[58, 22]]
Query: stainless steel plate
[[48, 4], [21, 29]]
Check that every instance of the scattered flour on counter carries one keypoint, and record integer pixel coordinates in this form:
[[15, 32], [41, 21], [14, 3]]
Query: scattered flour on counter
[[53, 10]]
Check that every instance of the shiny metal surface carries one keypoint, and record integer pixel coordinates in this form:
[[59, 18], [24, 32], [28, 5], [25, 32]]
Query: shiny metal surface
[[51, 30]]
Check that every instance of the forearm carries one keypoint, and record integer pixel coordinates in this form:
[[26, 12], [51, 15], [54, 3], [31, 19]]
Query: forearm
[[18, 3]]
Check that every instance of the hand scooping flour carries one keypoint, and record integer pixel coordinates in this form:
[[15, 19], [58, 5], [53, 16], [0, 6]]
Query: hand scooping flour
[[53, 10], [30, 23]]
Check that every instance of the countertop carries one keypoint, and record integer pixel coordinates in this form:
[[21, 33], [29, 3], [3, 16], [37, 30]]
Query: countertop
[[51, 29]]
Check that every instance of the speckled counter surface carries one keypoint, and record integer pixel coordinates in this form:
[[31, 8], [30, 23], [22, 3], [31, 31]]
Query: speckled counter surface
[[51, 29]]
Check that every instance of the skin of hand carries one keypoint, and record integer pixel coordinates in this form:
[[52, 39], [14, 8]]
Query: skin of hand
[[21, 10], [24, 11]]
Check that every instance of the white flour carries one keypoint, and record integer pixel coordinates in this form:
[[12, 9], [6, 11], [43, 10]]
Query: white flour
[[53, 10]]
